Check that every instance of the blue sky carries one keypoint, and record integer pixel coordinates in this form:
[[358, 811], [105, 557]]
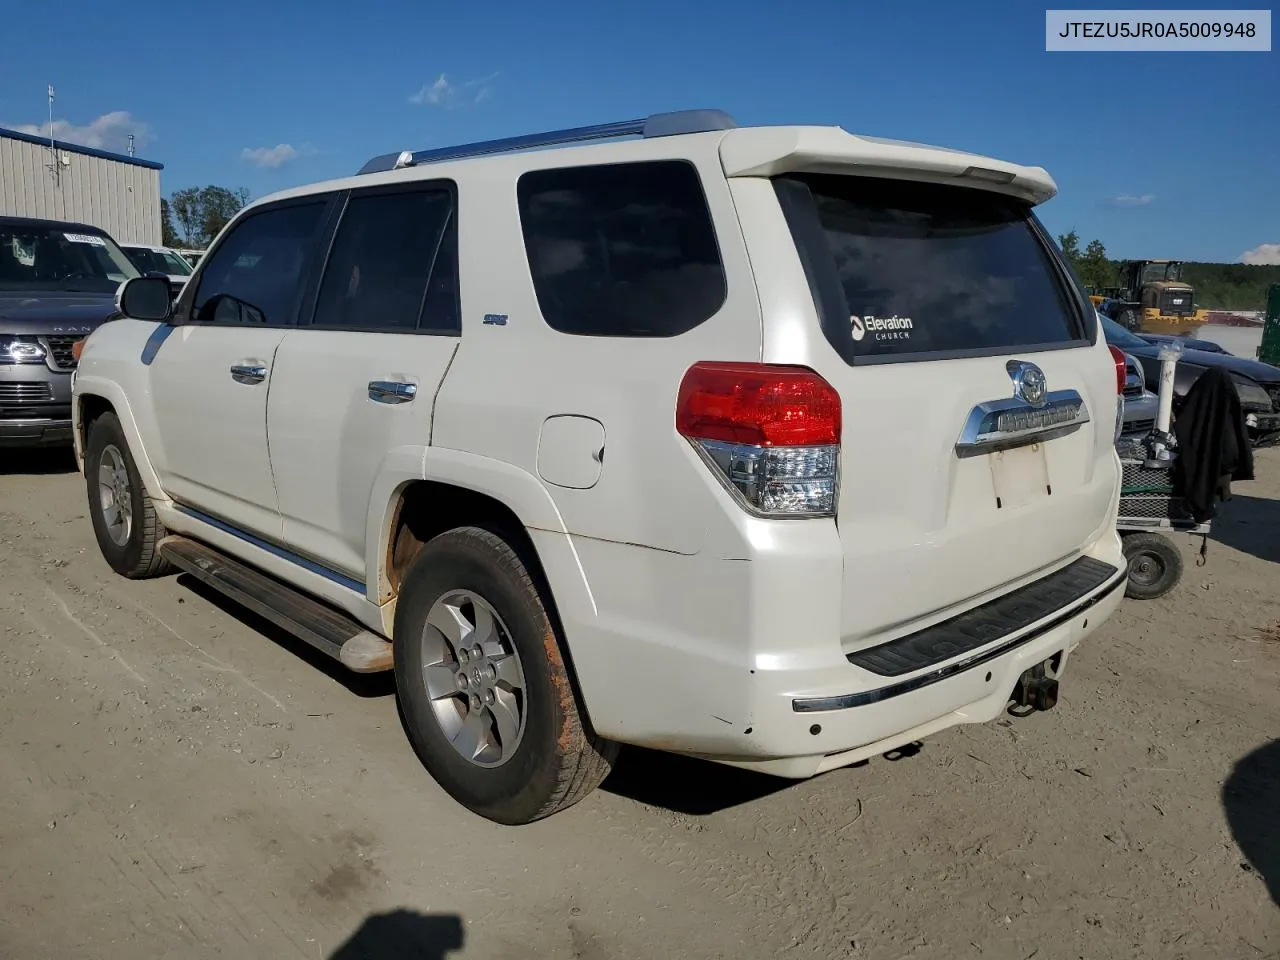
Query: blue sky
[[1158, 155]]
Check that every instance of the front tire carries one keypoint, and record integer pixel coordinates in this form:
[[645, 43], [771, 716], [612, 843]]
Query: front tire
[[486, 696], [124, 520]]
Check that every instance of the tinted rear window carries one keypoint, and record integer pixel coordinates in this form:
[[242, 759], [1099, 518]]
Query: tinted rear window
[[624, 250], [916, 269]]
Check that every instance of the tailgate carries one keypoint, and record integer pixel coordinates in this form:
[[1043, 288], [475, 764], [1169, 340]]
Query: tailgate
[[978, 401]]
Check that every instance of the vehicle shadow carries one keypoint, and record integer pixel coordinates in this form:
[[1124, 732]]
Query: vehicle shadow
[[698, 788], [403, 935], [364, 685], [686, 785], [1251, 798], [37, 461], [1250, 525]]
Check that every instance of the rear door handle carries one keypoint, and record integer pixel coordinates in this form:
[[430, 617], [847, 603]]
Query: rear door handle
[[248, 372], [392, 391]]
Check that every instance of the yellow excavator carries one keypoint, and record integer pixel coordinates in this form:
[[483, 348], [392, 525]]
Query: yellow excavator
[[1152, 298]]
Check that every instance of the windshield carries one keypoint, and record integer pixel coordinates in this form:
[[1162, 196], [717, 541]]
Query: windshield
[[159, 261], [1160, 272], [1118, 336], [58, 257]]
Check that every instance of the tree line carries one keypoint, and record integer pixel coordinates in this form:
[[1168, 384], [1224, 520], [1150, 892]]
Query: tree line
[[1218, 286], [191, 218]]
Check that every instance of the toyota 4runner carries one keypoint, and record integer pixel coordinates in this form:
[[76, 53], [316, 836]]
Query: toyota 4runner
[[780, 447]]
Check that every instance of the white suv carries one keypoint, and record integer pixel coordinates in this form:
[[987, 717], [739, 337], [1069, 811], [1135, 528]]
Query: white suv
[[780, 447]]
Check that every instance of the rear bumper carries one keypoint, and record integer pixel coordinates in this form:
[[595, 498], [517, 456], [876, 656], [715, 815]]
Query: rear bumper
[[823, 728], [742, 662]]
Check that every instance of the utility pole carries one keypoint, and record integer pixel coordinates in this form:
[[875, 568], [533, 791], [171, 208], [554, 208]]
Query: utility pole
[[54, 166]]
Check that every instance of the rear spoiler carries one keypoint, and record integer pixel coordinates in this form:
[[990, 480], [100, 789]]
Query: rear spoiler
[[772, 151]]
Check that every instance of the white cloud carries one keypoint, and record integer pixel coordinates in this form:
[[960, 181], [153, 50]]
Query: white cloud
[[434, 93], [109, 132], [442, 92], [1264, 254], [270, 157], [1129, 200]]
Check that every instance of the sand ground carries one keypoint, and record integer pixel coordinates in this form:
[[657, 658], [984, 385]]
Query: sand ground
[[181, 780]]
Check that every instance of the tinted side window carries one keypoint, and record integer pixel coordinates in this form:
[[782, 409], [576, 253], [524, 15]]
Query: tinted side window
[[441, 310], [384, 257], [257, 273], [933, 269], [142, 259], [625, 250]]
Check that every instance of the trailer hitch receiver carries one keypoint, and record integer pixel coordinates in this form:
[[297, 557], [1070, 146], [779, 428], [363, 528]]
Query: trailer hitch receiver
[[1036, 690]]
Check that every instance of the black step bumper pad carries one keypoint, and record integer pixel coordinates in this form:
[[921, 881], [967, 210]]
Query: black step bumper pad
[[992, 621]]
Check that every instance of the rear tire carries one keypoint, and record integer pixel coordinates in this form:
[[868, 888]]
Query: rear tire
[[486, 696], [1155, 565], [124, 520], [1130, 321]]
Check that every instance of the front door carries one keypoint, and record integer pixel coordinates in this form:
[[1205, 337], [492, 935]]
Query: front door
[[210, 387], [354, 388], [211, 376]]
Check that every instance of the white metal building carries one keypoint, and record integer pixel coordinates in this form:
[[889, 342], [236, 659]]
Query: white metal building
[[116, 193]]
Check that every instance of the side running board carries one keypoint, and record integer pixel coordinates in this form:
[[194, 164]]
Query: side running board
[[332, 633]]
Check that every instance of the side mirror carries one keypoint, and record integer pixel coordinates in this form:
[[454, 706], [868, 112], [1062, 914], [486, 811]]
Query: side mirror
[[173, 290], [146, 298]]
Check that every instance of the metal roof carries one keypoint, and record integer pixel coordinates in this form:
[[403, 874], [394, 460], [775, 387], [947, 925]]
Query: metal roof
[[85, 151]]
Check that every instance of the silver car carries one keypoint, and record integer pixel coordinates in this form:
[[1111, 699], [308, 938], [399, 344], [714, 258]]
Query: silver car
[[1139, 402]]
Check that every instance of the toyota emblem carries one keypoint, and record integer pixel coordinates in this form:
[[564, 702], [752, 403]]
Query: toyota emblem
[[1028, 382]]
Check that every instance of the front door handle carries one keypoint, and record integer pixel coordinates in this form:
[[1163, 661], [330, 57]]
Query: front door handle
[[249, 372], [392, 391]]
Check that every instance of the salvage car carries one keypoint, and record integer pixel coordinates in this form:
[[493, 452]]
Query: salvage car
[[1187, 343], [1257, 383], [1140, 403], [150, 258], [775, 446], [57, 284]]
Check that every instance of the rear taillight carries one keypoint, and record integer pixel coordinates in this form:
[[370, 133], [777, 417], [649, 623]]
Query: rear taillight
[[771, 433], [1117, 357], [1122, 374]]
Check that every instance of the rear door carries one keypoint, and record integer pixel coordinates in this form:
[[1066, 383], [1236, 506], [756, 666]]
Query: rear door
[[356, 385], [953, 328]]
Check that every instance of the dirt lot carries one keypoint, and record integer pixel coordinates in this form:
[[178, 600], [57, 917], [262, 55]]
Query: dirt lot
[[180, 780]]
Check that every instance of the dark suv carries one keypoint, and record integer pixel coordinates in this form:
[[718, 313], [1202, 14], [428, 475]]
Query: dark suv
[[57, 283]]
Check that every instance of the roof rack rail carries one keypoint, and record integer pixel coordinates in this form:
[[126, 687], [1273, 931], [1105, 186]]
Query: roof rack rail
[[654, 125]]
